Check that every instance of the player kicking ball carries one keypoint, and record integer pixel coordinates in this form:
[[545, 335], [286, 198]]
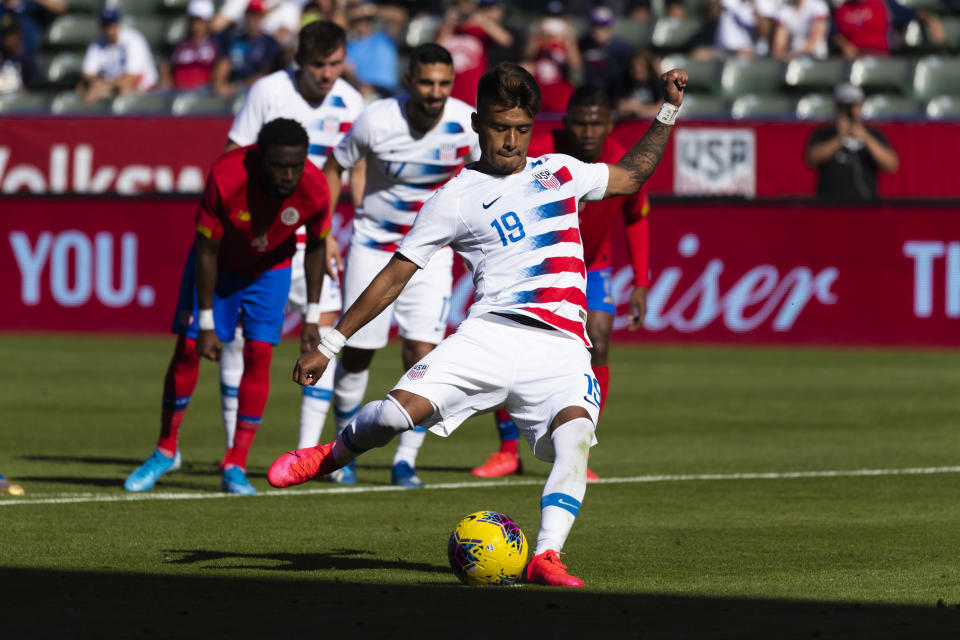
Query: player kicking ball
[[586, 136], [523, 346], [239, 269]]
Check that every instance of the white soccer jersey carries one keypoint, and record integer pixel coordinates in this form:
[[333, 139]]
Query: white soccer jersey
[[276, 96], [519, 235], [403, 171]]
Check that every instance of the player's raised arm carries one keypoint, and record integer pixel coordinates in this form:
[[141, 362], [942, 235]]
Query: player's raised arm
[[380, 294], [637, 164]]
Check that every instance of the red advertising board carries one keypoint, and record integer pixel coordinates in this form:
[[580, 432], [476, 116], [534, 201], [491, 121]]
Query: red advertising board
[[737, 273]]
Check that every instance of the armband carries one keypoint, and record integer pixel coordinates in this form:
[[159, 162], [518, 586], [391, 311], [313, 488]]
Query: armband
[[312, 316], [331, 344], [668, 113], [205, 319]]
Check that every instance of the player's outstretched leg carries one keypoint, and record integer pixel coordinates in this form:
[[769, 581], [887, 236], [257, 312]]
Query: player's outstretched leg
[[375, 425], [507, 459], [403, 472], [231, 371], [560, 503]]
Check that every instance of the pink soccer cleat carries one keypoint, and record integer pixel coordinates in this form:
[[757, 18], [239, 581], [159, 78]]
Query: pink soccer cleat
[[547, 569], [591, 475], [301, 465], [500, 463]]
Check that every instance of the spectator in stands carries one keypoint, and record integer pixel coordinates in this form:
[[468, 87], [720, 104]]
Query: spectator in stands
[[641, 96], [196, 57], [249, 54], [848, 155], [642, 10], [745, 27], [34, 17], [371, 54], [871, 27], [17, 68], [329, 10], [118, 62], [801, 30], [553, 57], [281, 18], [469, 31], [605, 57]]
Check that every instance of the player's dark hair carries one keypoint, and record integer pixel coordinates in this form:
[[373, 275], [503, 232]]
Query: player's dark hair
[[282, 132], [429, 53], [508, 86], [321, 37], [588, 97]]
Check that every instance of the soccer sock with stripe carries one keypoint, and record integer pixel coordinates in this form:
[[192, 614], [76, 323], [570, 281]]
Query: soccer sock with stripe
[[602, 374], [348, 391], [314, 407], [508, 432], [178, 386], [409, 445], [376, 424], [252, 398], [231, 370], [566, 484]]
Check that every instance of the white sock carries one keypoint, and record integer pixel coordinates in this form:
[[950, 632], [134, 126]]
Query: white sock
[[231, 370], [376, 424], [314, 407], [409, 445], [566, 483], [348, 391]]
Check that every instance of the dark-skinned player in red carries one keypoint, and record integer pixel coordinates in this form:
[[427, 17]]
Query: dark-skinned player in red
[[586, 136], [239, 269]]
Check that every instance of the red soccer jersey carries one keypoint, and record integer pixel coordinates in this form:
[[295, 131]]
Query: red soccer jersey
[[865, 23], [258, 232], [597, 218]]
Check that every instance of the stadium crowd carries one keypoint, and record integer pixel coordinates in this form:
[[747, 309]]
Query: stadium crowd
[[745, 58]]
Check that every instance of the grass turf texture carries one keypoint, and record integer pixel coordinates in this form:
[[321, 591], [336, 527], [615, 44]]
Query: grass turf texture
[[815, 557]]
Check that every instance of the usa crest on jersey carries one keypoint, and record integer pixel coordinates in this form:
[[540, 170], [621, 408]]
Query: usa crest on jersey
[[417, 371], [547, 179], [448, 152]]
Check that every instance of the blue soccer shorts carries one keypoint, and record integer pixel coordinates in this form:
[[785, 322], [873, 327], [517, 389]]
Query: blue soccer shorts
[[256, 300], [599, 291]]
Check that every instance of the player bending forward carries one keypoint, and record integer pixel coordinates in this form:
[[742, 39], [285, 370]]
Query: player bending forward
[[513, 219]]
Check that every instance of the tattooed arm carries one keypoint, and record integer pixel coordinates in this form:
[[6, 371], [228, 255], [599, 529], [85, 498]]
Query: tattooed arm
[[637, 164]]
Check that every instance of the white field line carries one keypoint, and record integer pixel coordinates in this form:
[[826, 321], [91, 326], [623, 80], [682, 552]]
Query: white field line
[[78, 498]]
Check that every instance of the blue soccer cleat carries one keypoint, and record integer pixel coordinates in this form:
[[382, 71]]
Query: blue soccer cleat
[[235, 481], [146, 475], [403, 475], [346, 474]]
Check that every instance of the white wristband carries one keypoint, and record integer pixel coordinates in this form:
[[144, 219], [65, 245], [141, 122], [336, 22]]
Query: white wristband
[[312, 316], [668, 113], [205, 319], [331, 343]]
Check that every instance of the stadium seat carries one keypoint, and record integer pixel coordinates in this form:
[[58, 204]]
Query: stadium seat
[[142, 104], [176, 30], [696, 105], [175, 6], [138, 7], [238, 102], [636, 33], [816, 106], [807, 74], [704, 74], [741, 77], [92, 7], [932, 5], [887, 75], [890, 107], [68, 102], [763, 107], [944, 108], [935, 76], [201, 104], [420, 30], [154, 29], [674, 35], [32, 103], [65, 69], [76, 31]]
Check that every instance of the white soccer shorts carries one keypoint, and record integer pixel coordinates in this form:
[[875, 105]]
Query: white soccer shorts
[[330, 297], [492, 361], [423, 305]]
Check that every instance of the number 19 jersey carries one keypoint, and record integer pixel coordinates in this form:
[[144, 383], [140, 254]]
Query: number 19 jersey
[[519, 235]]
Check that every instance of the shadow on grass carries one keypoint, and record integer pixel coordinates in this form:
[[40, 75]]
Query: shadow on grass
[[343, 559], [61, 604]]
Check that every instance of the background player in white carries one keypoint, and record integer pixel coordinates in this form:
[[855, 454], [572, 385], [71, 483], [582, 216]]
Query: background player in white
[[317, 97], [513, 219], [412, 144]]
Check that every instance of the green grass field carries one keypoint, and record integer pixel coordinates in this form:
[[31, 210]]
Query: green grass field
[[719, 515]]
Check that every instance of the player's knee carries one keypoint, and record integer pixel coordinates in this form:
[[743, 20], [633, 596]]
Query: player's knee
[[393, 416], [573, 437], [257, 353]]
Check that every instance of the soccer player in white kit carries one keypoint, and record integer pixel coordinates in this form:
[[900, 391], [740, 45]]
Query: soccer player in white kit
[[412, 145], [523, 346], [317, 97]]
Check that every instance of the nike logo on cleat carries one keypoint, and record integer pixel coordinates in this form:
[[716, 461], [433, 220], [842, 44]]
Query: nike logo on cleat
[[487, 206]]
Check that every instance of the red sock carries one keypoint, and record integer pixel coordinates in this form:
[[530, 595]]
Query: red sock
[[251, 399], [178, 386], [602, 374], [508, 432]]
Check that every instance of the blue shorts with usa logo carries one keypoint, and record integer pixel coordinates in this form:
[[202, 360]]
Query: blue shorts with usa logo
[[257, 301], [599, 291]]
